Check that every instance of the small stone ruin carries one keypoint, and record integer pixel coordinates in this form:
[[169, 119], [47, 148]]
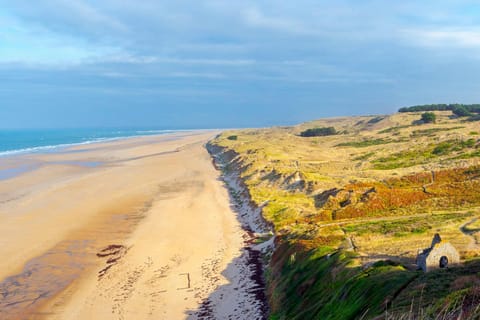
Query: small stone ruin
[[441, 254]]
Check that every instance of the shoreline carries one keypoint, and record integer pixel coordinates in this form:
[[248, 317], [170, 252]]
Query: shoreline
[[125, 235], [255, 254], [10, 169], [64, 147]]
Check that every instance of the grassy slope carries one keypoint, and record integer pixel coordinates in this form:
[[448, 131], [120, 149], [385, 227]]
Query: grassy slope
[[351, 210]]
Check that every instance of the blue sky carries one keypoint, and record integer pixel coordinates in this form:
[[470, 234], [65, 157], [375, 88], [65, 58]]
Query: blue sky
[[198, 64]]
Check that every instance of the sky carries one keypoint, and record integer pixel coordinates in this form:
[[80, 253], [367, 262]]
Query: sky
[[220, 64]]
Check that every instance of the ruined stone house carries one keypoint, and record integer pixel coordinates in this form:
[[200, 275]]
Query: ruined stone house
[[441, 254]]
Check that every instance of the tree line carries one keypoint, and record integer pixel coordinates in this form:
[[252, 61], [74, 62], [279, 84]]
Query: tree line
[[461, 110]]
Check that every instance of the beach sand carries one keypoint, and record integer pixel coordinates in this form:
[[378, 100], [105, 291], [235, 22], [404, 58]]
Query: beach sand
[[141, 228]]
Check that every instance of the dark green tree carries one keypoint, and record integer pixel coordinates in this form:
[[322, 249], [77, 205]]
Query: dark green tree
[[429, 117], [461, 111]]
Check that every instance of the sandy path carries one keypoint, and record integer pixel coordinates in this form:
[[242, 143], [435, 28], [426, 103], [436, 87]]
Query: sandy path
[[472, 233], [148, 235]]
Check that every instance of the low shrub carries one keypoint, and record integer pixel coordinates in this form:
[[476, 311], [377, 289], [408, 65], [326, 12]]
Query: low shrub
[[429, 117], [318, 132]]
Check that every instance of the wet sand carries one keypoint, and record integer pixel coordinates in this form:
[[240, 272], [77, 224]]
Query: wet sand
[[141, 228]]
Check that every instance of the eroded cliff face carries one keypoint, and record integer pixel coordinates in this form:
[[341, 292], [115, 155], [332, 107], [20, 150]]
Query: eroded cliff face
[[259, 238]]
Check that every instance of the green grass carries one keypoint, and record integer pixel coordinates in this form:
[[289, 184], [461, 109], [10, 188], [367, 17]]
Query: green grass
[[364, 156], [376, 119], [402, 159], [450, 146], [327, 284], [415, 225], [419, 133], [409, 158], [430, 132], [317, 286], [366, 293], [436, 293], [366, 143], [468, 155], [443, 148], [283, 207]]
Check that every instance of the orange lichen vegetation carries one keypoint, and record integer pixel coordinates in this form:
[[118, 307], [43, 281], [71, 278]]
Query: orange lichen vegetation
[[405, 195]]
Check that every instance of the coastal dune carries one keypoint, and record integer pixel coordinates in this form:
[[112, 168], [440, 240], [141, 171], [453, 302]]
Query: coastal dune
[[140, 228]]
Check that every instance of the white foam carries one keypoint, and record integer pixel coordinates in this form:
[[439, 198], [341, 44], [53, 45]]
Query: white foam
[[52, 148], [55, 147]]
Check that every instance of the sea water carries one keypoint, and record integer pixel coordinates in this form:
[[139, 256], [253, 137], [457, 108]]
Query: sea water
[[25, 141], [46, 140]]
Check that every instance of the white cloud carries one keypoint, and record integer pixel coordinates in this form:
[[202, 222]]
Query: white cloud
[[122, 57], [256, 18], [197, 75], [89, 15], [219, 62], [467, 38], [139, 59]]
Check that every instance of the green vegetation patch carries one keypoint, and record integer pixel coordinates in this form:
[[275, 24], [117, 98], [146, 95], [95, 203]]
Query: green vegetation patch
[[376, 119], [450, 146], [234, 137], [412, 225], [468, 155], [430, 132], [319, 132], [409, 158], [367, 143], [327, 284], [402, 159], [364, 156], [429, 117], [393, 129], [440, 291], [283, 208], [335, 286]]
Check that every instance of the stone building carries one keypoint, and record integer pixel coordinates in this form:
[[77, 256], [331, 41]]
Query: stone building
[[441, 254]]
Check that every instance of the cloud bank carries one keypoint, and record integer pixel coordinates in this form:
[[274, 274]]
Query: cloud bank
[[231, 63]]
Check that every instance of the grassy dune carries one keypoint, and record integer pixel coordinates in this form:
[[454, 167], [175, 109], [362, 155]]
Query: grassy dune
[[351, 211]]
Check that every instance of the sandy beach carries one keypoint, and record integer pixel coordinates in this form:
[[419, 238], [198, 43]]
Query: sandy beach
[[140, 228]]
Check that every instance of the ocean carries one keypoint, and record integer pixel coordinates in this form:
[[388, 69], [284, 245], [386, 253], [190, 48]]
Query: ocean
[[47, 140]]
